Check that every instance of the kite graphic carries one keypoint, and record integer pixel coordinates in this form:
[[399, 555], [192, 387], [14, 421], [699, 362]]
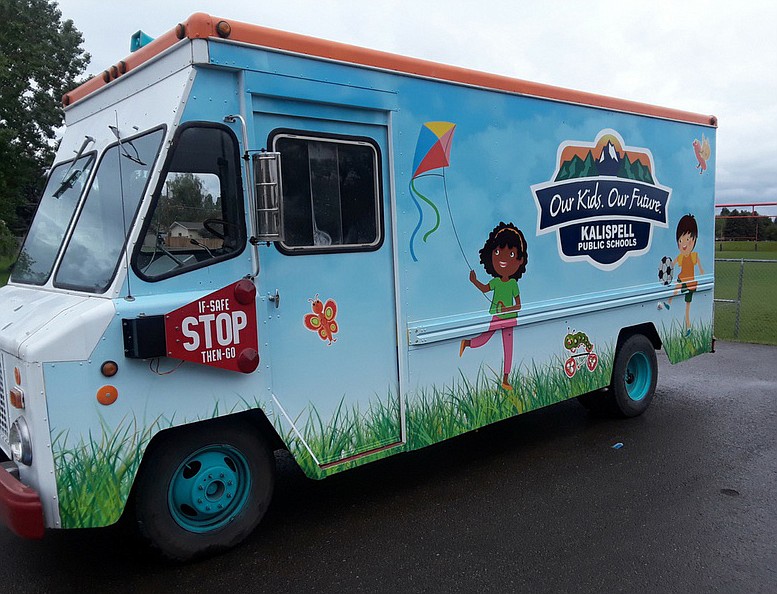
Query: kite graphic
[[433, 151]]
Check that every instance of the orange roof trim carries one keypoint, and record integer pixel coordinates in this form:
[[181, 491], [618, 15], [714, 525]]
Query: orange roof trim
[[203, 26]]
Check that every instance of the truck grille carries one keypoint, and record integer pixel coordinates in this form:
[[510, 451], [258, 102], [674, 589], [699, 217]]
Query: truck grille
[[3, 406]]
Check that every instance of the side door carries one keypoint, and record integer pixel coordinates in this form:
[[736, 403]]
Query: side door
[[332, 316]]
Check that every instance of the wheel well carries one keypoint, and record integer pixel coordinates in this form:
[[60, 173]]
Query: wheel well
[[647, 329], [255, 417]]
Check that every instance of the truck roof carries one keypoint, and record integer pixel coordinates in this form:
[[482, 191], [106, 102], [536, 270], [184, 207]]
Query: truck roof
[[205, 26]]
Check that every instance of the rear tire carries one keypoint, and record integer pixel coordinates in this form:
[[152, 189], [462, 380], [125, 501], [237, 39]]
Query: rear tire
[[203, 488], [634, 376]]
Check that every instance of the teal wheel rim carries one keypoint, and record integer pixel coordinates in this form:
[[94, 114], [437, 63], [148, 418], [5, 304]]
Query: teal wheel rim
[[209, 489], [639, 376]]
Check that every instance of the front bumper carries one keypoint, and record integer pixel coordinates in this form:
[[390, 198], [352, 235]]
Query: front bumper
[[20, 506]]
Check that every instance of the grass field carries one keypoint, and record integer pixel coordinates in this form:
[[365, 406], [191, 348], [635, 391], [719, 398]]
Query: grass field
[[763, 250], [758, 309]]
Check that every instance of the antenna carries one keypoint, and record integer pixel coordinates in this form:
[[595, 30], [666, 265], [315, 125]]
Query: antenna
[[115, 130]]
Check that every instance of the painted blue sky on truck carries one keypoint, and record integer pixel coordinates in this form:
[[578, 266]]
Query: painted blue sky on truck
[[692, 55], [495, 159]]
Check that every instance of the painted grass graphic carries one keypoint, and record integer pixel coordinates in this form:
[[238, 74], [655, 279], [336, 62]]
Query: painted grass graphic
[[95, 474], [346, 432], [680, 347], [438, 413]]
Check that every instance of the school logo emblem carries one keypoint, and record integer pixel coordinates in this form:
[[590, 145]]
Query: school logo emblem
[[603, 201]]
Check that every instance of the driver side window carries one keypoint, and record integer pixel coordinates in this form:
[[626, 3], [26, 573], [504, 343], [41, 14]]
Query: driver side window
[[197, 217]]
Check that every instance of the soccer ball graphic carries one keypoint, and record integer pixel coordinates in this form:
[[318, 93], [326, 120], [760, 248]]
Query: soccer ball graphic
[[665, 271]]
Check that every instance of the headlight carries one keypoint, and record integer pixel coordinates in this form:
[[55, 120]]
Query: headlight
[[21, 444]]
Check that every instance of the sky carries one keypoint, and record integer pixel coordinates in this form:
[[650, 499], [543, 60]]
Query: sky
[[714, 57]]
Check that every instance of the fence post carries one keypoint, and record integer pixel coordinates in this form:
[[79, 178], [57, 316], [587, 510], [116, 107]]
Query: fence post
[[739, 296]]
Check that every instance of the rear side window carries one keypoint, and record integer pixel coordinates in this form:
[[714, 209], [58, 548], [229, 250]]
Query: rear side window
[[331, 194], [198, 216]]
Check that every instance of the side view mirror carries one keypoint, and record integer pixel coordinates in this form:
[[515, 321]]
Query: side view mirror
[[269, 206]]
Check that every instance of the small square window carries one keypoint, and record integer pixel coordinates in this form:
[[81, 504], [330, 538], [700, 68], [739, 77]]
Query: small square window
[[330, 194]]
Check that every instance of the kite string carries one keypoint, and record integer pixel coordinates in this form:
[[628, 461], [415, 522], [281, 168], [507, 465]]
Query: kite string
[[455, 232], [453, 224], [447, 204], [413, 190]]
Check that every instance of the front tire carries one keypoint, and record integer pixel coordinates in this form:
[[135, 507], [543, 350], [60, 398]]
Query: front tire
[[203, 488], [634, 376]]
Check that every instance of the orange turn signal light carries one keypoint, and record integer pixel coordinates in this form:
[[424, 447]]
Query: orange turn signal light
[[16, 398], [109, 368]]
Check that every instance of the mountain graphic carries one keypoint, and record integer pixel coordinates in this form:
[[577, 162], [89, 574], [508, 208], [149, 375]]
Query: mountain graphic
[[635, 170], [609, 163], [578, 167]]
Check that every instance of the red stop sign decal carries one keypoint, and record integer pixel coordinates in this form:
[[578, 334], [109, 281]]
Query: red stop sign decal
[[219, 329]]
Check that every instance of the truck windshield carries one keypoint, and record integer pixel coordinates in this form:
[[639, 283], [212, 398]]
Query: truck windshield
[[92, 254], [55, 212]]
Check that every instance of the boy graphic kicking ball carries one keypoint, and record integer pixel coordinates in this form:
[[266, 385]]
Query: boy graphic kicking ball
[[687, 260]]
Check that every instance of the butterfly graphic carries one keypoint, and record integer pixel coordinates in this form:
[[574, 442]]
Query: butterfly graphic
[[322, 320]]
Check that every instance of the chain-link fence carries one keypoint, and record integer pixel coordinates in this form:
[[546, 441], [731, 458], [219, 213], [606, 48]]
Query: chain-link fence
[[746, 300]]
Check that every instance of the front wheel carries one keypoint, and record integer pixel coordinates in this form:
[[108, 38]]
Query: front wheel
[[634, 376], [204, 488]]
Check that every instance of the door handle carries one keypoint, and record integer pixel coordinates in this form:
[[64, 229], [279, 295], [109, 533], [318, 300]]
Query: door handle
[[276, 299]]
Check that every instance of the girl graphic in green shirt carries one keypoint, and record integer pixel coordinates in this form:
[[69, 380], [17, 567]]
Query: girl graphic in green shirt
[[504, 257]]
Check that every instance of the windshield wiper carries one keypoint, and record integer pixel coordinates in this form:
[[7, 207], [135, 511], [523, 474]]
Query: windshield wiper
[[125, 143], [67, 183], [70, 177]]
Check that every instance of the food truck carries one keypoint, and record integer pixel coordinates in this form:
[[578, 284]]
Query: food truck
[[252, 240]]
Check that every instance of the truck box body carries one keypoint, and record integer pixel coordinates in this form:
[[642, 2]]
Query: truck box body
[[385, 320]]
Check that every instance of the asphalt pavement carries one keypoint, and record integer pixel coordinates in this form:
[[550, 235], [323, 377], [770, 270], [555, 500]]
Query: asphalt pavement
[[539, 503]]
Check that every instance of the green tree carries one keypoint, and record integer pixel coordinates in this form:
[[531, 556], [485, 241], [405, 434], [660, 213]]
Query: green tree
[[187, 191], [7, 241], [40, 59], [763, 227], [722, 230], [739, 225], [770, 234], [185, 198]]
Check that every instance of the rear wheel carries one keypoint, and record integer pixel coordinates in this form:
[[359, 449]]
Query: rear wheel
[[634, 376], [204, 488]]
